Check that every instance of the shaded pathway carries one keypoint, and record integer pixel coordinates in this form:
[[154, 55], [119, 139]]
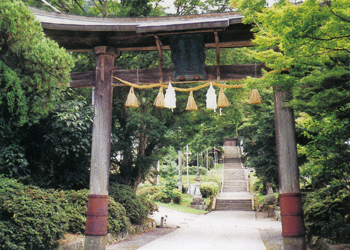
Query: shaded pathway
[[224, 230]]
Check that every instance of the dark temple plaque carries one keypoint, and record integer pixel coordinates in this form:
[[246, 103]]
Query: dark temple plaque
[[188, 57]]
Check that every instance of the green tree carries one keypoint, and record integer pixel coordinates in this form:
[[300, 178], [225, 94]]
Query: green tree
[[258, 130], [33, 68], [186, 7], [105, 8], [33, 72], [55, 152], [324, 129], [306, 48]]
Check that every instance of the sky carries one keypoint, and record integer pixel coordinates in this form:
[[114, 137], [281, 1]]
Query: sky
[[169, 4], [171, 8]]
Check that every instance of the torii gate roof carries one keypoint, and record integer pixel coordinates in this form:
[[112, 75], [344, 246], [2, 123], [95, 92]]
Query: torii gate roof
[[82, 33]]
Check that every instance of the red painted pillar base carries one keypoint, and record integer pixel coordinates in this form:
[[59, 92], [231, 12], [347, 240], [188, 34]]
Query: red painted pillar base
[[97, 215], [293, 230], [292, 215]]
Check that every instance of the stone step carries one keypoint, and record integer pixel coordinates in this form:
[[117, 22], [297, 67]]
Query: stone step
[[233, 178], [233, 205], [234, 175], [234, 185], [235, 182], [232, 152], [234, 189], [232, 166], [232, 160]]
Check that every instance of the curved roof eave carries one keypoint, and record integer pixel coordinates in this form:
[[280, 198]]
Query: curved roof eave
[[83, 33], [60, 21]]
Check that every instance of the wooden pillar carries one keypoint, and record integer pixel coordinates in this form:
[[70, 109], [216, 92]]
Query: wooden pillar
[[293, 229], [96, 220]]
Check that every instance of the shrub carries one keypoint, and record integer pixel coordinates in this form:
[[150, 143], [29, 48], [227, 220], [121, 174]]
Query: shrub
[[327, 213], [30, 218], [211, 162], [214, 175], [176, 196], [162, 193], [149, 204], [136, 210], [13, 163], [117, 219], [35, 218], [146, 191], [209, 189], [76, 212], [193, 170], [159, 196], [260, 187], [76, 207]]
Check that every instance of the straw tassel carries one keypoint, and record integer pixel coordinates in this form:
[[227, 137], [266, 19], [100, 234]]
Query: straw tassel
[[191, 103], [159, 101], [211, 98], [132, 101], [222, 100], [170, 97], [255, 97]]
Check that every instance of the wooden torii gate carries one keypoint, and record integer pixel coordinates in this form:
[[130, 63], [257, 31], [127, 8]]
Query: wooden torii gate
[[107, 38]]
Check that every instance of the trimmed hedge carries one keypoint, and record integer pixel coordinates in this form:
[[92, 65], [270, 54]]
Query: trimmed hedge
[[76, 212], [160, 193], [137, 209], [32, 218], [209, 189], [327, 213]]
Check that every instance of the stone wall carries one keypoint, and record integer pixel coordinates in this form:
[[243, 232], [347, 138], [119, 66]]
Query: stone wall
[[111, 237]]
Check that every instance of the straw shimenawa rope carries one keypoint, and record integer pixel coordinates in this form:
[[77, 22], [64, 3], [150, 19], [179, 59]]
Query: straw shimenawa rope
[[156, 85]]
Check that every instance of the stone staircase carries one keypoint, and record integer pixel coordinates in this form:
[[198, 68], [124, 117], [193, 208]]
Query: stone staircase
[[235, 190]]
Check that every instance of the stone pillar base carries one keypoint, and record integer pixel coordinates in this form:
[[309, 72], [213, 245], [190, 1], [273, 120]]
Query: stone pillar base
[[294, 243], [95, 242], [198, 203]]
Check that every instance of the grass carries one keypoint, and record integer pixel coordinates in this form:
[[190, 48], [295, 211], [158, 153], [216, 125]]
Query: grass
[[181, 208], [187, 199], [184, 206]]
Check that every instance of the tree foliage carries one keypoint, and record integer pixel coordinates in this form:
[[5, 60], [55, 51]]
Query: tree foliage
[[327, 213], [258, 130], [33, 73], [33, 68], [306, 48], [55, 152]]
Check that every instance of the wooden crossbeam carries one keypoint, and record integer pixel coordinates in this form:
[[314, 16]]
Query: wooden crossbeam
[[234, 44], [148, 76]]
